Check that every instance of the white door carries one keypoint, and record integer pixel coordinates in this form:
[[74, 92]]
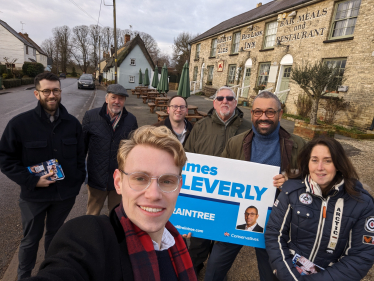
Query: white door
[[202, 76], [247, 77]]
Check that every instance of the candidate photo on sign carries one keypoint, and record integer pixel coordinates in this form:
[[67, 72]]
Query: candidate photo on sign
[[250, 216]]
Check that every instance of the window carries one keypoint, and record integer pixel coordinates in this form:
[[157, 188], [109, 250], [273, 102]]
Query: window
[[132, 79], [27, 50], [213, 48], [195, 73], [345, 18], [34, 52], [263, 74], [210, 74], [132, 62], [270, 34], [197, 51], [235, 43], [231, 76], [339, 63]]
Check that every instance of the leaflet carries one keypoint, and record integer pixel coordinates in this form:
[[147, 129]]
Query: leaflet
[[305, 266], [46, 167]]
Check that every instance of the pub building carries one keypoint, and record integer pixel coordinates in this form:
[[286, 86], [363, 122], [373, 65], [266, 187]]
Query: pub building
[[257, 50]]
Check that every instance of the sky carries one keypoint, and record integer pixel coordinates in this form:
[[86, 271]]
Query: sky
[[162, 19]]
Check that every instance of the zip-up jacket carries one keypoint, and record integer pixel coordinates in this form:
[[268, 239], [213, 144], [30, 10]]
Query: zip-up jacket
[[166, 122], [335, 233], [29, 139], [102, 143], [209, 135]]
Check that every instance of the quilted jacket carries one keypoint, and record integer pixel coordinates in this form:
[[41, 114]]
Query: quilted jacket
[[336, 233], [101, 143]]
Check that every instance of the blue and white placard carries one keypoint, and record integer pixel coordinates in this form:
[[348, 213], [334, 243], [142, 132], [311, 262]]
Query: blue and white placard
[[215, 195]]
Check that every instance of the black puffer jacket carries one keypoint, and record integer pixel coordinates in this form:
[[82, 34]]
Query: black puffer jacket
[[299, 225], [29, 139], [102, 143]]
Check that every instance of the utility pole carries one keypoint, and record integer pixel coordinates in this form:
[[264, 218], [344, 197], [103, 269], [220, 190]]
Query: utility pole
[[115, 42]]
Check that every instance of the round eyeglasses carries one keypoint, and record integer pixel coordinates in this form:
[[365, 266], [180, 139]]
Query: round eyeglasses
[[47, 92], [139, 181], [269, 113]]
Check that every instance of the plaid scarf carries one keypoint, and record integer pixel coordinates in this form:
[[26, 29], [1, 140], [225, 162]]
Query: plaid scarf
[[114, 121], [143, 256]]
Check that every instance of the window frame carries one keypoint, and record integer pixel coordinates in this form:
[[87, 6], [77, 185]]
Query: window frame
[[228, 74], [264, 47], [210, 73], [213, 48], [259, 75], [334, 21], [235, 44], [340, 59], [27, 50], [194, 74], [131, 79], [197, 54], [133, 64]]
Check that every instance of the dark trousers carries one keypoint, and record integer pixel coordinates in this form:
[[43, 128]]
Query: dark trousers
[[199, 251], [34, 215], [223, 256]]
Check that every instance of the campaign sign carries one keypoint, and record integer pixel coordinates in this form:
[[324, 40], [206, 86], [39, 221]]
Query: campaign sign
[[215, 195]]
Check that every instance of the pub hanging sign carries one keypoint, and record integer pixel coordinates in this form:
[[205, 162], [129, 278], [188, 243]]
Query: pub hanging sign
[[220, 66]]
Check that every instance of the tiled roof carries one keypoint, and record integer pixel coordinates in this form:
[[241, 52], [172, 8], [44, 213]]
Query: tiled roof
[[11, 30], [36, 46], [271, 8]]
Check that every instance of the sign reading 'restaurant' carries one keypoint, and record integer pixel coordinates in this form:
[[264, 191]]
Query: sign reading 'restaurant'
[[225, 200]]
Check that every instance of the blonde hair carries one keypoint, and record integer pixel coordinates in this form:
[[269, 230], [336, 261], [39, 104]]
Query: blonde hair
[[158, 137]]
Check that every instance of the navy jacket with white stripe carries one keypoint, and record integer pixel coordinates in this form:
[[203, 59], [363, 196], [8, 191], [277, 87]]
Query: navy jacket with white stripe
[[300, 228]]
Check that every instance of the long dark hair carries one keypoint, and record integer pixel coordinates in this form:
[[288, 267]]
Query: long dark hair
[[343, 166]]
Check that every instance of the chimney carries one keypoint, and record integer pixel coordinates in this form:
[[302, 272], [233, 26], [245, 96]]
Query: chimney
[[259, 4], [127, 38]]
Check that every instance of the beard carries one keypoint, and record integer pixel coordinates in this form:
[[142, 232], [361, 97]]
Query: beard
[[266, 131], [49, 107]]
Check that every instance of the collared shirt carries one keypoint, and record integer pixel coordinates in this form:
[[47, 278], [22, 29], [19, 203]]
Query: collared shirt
[[228, 120], [54, 117], [167, 241], [251, 227], [182, 136]]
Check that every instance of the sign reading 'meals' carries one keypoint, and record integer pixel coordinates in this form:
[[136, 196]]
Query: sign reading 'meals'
[[215, 197]]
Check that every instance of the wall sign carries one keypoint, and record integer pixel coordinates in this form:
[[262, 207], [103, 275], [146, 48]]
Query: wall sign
[[220, 66]]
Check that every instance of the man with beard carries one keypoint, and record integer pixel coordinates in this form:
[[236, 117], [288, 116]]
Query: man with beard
[[44, 133], [103, 129], [266, 143], [209, 137]]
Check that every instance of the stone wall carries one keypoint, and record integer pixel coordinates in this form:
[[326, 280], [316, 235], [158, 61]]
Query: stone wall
[[306, 38]]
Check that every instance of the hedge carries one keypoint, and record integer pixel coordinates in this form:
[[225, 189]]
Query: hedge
[[9, 83], [27, 81]]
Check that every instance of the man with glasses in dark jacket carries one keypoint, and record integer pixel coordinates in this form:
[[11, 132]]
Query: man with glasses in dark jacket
[[103, 129], [44, 133]]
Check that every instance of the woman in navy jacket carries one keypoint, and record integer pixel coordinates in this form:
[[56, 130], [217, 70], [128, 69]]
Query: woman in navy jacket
[[323, 215]]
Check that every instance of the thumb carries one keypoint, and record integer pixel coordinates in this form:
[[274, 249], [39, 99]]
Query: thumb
[[47, 175]]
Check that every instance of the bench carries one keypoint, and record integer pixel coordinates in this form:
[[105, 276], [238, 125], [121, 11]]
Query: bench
[[202, 113], [161, 115], [144, 99], [133, 91], [194, 118], [151, 106], [138, 94]]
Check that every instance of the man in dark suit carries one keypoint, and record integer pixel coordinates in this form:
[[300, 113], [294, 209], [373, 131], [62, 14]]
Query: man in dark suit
[[251, 216]]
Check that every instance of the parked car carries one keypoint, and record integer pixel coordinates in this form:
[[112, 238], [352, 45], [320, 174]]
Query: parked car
[[62, 75], [86, 81]]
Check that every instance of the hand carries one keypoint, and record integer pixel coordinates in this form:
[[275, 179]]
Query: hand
[[188, 236], [43, 181], [279, 180]]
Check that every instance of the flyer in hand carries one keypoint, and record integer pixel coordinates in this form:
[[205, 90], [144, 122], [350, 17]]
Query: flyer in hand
[[305, 266], [45, 168]]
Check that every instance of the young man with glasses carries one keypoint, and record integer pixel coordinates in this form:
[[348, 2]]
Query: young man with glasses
[[209, 137], [266, 143], [103, 129], [176, 122], [136, 241], [44, 133]]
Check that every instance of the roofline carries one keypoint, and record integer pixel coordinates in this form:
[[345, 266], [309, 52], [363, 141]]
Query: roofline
[[19, 37], [305, 3], [35, 46]]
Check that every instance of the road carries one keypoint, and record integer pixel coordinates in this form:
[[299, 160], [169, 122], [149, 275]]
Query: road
[[11, 104]]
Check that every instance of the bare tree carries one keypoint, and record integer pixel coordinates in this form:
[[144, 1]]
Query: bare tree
[[95, 33], [107, 35], [81, 46], [62, 38], [150, 44], [181, 53], [162, 59]]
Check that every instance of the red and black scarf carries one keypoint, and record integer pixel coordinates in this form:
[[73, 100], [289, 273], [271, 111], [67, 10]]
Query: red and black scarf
[[143, 256]]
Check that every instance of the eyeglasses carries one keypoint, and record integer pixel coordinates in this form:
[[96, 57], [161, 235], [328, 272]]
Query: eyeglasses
[[175, 107], [228, 98], [47, 92], [139, 181], [269, 113], [250, 214]]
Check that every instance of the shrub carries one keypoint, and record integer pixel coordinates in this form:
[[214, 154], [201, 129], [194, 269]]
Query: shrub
[[27, 81], [32, 68], [332, 106], [73, 72], [304, 105], [10, 83], [2, 69]]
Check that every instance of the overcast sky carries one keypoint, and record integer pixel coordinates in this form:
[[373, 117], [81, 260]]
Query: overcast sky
[[163, 19]]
